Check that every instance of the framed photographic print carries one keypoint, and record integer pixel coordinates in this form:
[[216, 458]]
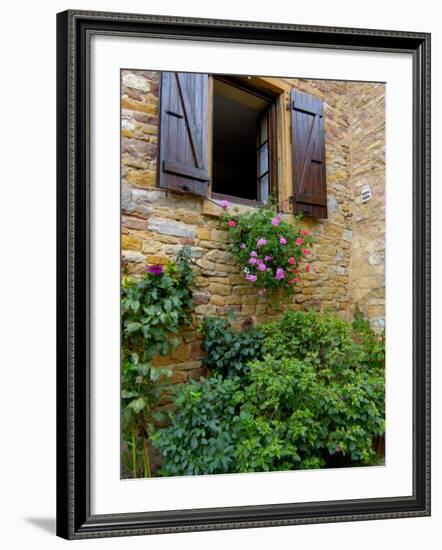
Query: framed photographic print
[[243, 274]]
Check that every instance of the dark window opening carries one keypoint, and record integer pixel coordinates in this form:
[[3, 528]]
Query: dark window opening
[[242, 143]]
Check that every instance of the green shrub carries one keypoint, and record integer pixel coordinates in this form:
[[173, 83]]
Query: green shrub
[[200, 439], [313, 398], [153, 308], [229, 351], [296, 416], [323, 340]]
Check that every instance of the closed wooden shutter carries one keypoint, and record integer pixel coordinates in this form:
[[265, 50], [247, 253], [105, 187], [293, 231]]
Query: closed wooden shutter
[[308, 155], [184, 120]]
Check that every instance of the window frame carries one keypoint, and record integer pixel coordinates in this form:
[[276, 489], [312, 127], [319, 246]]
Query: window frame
[[259, 89]]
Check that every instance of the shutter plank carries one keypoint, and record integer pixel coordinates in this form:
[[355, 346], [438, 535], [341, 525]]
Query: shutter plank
[[308, 155], [183, 164]]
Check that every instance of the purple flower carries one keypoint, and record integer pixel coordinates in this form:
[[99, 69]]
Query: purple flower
[[242, 245], [251, 278], [261, 242], [155, 269], [279, 274], [275, 221], [253, 261], [282, 240], [253, 254], [267, 258], [224, 204], [262, 267]]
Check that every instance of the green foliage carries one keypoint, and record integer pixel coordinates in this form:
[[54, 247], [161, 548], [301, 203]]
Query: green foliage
[[229, 351], [324, 340], [268, 248], [373, 344], [315, 399], [153, 308], [199, 439], [296, 416]]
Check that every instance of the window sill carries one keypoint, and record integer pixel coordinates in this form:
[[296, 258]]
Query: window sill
[[212, 207]]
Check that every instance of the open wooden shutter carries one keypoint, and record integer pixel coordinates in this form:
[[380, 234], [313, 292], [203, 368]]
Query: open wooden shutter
[[308, 155], [184, 132]]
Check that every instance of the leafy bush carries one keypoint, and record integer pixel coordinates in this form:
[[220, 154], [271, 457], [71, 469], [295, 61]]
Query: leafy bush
[[199, 439], [153, 307], [296, 416], [268, 248], [324, 340], [229, 351], [314, 399]]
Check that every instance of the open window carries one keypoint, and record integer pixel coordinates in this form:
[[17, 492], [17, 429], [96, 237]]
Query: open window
[[244, 144], [233, 122]]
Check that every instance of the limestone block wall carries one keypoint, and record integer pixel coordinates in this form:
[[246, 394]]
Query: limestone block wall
[[367, 168], [347, 261]]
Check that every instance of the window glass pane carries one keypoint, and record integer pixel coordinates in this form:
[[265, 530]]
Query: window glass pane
[[263, 129], [264, 188], [263, 159]]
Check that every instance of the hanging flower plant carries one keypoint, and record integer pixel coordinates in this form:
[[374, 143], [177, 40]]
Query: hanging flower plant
[[268, 248]]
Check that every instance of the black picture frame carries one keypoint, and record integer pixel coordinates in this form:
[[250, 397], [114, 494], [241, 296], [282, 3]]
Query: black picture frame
[[74, 518]]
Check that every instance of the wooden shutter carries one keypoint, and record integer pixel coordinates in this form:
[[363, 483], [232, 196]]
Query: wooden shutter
[[308, 155], [184, 120]]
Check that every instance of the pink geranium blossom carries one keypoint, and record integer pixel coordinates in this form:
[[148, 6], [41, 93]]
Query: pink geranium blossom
[[305, 232], [262, 267], [305, 251], [261, 242], [253, 254], [253, 261], [299, 241], [224, 204], [279, 274], [231, 223], [291, 260], [282, 240], [307, 268], [267, 258], [251, 278], [275, 221]]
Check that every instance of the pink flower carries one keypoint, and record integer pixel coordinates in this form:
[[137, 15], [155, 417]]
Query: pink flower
[[262, 267], [291, 260], [224, 204], [279, 274], [253, 261], [305, 232], [231, 223], [294, 281], [305, 251], [282, 240], [253, 254], [261, 242], [307, 268], [242, 245], [262, 291], [267, 258], [275, 221], [299, 241], [156, 269], [251, 278]]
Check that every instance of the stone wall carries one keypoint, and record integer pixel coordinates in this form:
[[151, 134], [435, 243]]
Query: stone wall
[[348, 257]]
